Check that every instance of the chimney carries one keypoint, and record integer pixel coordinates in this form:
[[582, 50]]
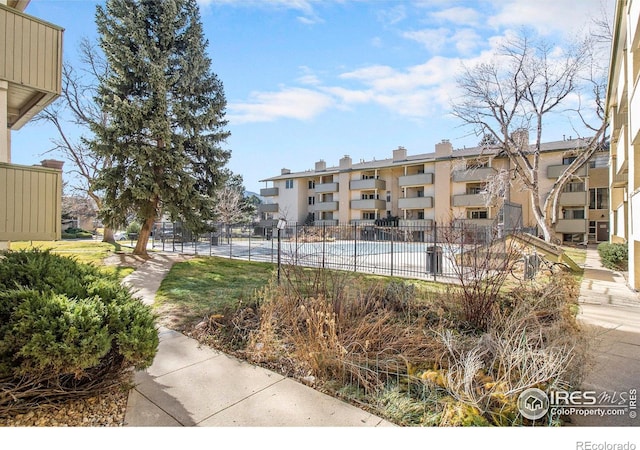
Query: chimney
[[285, 172], [321, 166], [444, 148], [345, 163], [52, 164], [400, 154]]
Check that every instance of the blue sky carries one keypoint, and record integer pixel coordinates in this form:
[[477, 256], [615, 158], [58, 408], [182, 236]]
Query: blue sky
[[319, 79]]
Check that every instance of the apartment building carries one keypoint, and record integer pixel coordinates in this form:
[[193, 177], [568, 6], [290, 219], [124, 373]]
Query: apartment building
[[30, 79], [439, 187], [623, 107]]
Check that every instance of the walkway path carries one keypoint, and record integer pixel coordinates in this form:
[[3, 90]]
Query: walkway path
[[612, 310], [193, 385]]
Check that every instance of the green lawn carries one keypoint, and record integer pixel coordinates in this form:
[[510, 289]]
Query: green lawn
[[85, 251], [209, 285], [204, 286]]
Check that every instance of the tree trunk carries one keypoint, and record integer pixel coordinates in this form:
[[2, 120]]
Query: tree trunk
[[540, 217], [108, 236], [143, 237]]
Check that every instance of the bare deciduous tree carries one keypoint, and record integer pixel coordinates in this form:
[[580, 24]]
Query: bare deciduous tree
[[516, 92], [75, 110]]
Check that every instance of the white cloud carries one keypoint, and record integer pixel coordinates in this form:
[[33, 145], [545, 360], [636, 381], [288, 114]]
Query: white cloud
[[548, 16], [458, 15], [288, 103], [433, 39], [393, 15]]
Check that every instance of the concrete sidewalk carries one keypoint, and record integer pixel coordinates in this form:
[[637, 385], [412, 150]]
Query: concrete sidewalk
[[193, 385], [612, 311]]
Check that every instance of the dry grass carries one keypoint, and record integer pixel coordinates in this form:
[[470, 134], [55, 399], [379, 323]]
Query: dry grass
[[407, 353]]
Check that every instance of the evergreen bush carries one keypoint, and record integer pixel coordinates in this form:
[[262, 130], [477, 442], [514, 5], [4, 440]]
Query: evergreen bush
[[613, 256], [66, 329]]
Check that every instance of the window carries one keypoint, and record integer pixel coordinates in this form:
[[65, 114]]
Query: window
[[568, 160], [573, 213], [288, 184], [388, 196], [421, 215], [477, 214], [369, 215], [574, 186], [599, 198], [366, 196], [312, 185], [312, 200], [474, 188]]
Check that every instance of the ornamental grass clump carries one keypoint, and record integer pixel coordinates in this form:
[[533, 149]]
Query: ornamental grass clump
[[67, 330]]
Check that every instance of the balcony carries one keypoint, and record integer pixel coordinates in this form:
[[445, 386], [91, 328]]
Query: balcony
[[573, 198], [363, 222], [415, 203], [571, 226], [325, 206], [370, 183], [325, 223], [469, 200], [30, 203], [269, 192], [268, 208], [416, 223], [470, 175], [419, 179], [619, 179], [370, 204], [31, 62], [634, 105], [326, 188], [557, 170], [475, 222]]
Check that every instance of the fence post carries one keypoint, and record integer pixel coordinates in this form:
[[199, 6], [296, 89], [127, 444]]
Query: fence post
[[434, 257], [230, 241], [391, 233], [355, 247], [296, 253], [324, 238], [250, 233]]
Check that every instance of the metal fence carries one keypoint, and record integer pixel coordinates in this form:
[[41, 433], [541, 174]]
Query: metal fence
[[434, 252]]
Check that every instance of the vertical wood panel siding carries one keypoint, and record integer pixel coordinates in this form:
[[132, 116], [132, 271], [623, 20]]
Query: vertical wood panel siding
[[30, 203], [30, 51]]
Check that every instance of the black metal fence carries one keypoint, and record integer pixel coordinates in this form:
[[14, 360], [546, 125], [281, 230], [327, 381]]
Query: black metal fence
[[434, 252]]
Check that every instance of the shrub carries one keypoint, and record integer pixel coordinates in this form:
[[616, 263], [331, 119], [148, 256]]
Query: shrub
[[76, 233], [133, 227], [66, 330], [613, 256]]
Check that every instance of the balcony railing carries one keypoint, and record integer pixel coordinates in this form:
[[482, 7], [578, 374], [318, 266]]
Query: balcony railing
[[325, 206], [268, 208], [30, 61], [419, 179], [416, 223], [30, 203], [371, 204], [326, 188], [269, 192], [370, 183], [571, 226], [573, 198], [471, 174], [557, 170], [415, 203], [325, 222], [469, 200]]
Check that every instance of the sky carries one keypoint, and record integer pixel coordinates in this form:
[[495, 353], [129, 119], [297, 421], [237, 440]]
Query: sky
[[307, 80]]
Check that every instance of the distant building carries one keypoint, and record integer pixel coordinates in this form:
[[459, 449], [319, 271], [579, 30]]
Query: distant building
[[439, 187], [623, 107], [30, 79]]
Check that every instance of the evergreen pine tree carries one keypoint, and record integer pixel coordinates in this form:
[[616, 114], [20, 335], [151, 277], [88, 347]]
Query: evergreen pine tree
[[166, 115]]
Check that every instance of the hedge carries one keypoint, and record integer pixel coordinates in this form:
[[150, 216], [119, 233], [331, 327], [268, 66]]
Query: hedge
[[67, 329]]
